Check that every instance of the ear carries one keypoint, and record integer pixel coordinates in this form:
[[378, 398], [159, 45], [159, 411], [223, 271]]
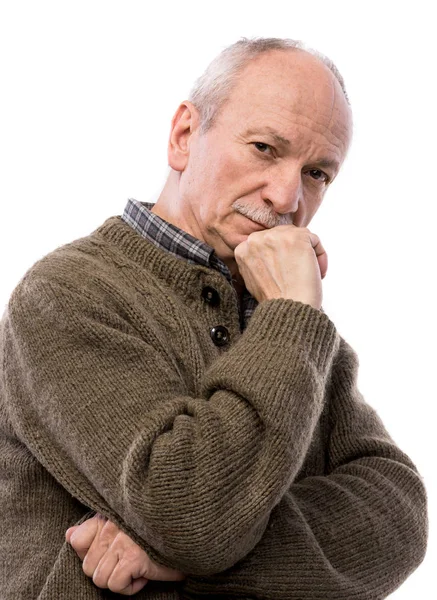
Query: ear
[[183, 125]]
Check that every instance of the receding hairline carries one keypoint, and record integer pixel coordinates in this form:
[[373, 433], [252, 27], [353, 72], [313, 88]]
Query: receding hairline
[[214, 86], [298, 51], [316, 58]]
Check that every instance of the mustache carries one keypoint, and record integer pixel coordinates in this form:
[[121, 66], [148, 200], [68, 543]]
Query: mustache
[[263, 215]]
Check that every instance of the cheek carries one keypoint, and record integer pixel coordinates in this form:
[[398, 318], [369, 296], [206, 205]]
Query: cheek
[[226, 178], [314, 200], [310, 202], [227, 170]]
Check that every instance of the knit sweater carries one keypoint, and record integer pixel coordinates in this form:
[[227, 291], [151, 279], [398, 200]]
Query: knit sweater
[[255, 467]]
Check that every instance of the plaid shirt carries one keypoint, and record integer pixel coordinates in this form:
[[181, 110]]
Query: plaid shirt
[[168, 237]]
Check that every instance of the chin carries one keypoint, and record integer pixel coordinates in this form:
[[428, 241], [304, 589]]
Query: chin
[[236, 240], [226, 245]]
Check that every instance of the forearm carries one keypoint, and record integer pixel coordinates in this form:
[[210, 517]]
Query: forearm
[[333, 538], [244, 448], [357, 531], [194, 478]]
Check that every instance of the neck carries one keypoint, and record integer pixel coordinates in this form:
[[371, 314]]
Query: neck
[[168, 204], [169, 207]]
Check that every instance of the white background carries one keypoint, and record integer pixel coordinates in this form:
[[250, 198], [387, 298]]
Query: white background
[[88, 90]]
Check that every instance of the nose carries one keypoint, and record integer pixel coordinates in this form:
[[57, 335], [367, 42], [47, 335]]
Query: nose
[[284, 191]]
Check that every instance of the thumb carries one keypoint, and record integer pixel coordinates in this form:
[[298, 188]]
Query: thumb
[[82, 536]]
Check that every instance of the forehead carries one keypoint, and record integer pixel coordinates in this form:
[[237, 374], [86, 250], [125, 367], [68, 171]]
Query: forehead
[[289, 90]]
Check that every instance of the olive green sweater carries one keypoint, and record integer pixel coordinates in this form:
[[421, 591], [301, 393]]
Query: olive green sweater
[[256, 468]]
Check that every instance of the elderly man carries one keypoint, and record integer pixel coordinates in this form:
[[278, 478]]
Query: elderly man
[[175, 373]]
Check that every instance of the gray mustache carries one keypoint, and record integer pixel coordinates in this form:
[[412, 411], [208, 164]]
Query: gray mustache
[[265, 216]]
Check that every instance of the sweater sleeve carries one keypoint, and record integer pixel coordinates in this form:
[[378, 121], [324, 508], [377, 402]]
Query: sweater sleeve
[[357, 532], [105, 410]]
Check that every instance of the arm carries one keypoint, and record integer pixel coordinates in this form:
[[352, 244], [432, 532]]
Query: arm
[[357, 532], [105, 410]]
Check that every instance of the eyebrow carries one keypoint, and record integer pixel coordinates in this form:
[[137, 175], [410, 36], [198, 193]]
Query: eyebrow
[[328, 164], [323, 162], [271, 132]]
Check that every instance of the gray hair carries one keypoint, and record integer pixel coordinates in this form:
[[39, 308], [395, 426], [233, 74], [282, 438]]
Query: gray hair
[[212, 89]]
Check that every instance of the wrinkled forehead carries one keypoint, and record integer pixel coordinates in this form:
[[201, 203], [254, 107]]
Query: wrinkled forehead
[[293, 87]]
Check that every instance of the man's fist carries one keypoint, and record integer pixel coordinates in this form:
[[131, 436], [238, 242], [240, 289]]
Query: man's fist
[[113, 560], [283, 262]]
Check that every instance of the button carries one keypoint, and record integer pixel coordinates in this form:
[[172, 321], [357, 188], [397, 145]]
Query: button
[[211, 296], [220, 335]]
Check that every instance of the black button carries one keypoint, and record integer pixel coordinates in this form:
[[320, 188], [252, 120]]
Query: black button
[[211, 296], [219, 335]]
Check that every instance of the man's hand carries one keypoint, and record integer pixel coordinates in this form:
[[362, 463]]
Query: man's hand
[[113, 560], [283, 262]]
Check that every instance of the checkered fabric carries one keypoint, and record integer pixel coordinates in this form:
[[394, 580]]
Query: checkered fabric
[[168, 237]]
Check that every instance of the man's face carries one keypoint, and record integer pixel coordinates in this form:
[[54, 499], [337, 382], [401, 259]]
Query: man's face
[[276, 145]]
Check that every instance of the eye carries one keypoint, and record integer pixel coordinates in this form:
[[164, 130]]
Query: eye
[[263, 148], [318, 175]]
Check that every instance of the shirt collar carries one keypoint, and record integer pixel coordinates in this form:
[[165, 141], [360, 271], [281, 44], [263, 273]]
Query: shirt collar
[[181, 244], [169, 237]]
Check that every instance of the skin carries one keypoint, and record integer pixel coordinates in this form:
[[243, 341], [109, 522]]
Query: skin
[[227, 164], [249, 188], [113, 560]]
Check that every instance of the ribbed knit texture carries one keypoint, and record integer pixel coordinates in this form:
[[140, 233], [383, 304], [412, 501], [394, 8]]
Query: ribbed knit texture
[[256, 468]]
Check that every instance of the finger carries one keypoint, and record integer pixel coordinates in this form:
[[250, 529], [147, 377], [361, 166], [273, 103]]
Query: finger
[[70, 532], [137, 585], [134, 587], [323, 264], [122, 564], [106, 534], [134, 563], [322, 257], [123, 577], [104, 570], [157, 572], [83, 536]]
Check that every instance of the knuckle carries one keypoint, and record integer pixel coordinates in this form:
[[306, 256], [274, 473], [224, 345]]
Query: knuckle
[[256, 237], [301, 232], [107, 535], [122, 543], [75, 544], [134, 553], [240, 249], [78, 542], [110, 528]]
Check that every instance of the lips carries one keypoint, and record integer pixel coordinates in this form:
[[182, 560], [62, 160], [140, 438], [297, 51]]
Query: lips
[[263, 225], [258, 223]]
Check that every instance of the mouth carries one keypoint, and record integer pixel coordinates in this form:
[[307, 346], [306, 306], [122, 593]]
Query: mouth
[[263, 225], [258, 223]]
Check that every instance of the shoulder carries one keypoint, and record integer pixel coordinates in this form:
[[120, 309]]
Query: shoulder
[[72, 261], [92, 266]]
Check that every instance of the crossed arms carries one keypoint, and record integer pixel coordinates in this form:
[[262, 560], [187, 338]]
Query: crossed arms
[[213, 485]]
